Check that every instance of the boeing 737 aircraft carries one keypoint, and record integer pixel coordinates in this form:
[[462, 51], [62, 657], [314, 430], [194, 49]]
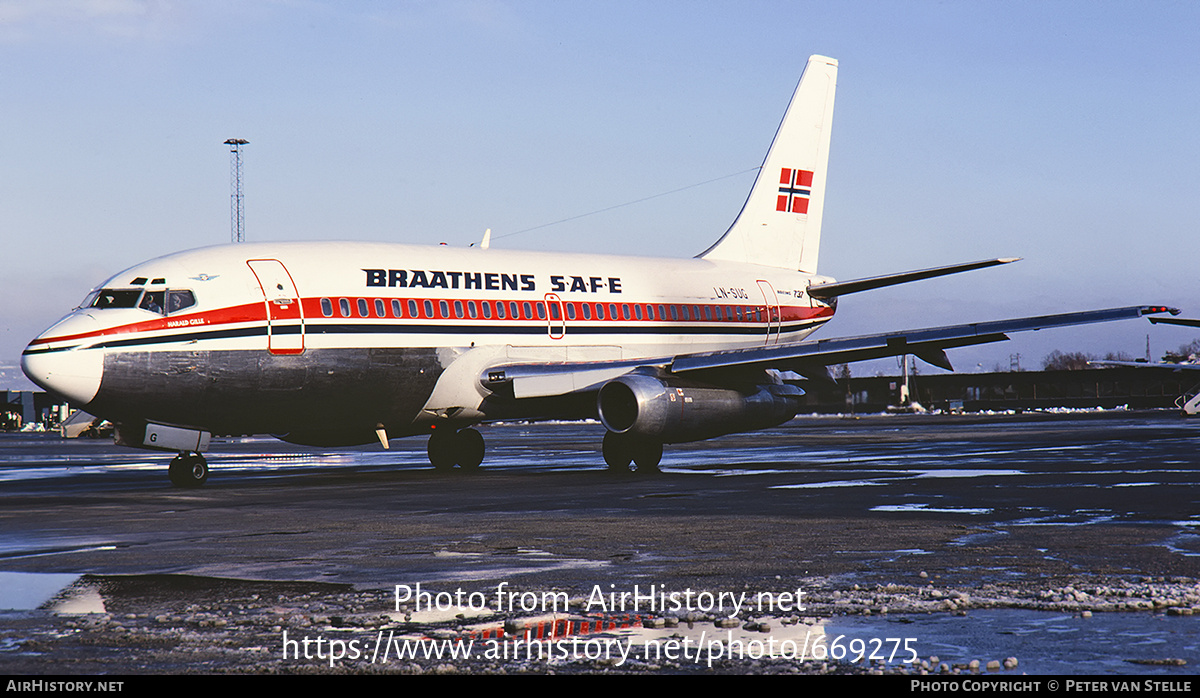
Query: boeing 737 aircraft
[[341, 343]]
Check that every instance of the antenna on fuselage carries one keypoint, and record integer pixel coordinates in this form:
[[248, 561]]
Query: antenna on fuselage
[[237, 211]]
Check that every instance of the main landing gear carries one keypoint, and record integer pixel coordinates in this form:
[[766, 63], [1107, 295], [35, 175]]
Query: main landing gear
[[448, 448], [622, 449], [188, 469]]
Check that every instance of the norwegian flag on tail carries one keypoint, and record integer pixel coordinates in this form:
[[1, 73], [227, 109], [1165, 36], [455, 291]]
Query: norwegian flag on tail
[[795, 186]]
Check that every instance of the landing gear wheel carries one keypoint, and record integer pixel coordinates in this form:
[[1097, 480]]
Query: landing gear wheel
[[188, 470], [646, 456], [441, 449], [470, 448], [617, 451], [622, 449], [448, 448]]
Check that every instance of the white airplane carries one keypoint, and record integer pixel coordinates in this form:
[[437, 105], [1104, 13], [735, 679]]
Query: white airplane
[[1189, 402], [344, 343]]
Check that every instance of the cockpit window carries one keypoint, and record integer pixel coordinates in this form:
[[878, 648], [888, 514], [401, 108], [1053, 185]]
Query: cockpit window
[[87, 302], [152, 301], [158, 302], [179, 299], [110, 298]]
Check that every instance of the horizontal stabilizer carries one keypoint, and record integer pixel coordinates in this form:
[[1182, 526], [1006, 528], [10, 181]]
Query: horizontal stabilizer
[[1175, 321], [841, 288]]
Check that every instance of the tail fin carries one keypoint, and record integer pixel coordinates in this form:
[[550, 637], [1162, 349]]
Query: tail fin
[[780, 224]]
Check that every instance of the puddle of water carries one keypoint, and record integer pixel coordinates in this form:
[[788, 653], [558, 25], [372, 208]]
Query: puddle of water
[[964, 473], [1042, 642], [931, 509], [834, 483], [78, 598], [22, 591]]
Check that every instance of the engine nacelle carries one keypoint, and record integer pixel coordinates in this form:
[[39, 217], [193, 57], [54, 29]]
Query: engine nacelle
[[671, 410]]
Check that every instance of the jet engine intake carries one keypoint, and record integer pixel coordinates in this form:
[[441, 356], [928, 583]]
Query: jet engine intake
[[671, 410]]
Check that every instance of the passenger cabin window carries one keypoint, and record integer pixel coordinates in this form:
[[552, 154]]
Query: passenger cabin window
[[397, 310], [362, 308], [344, 306], [326, 307], [412, 308], [380, 309]]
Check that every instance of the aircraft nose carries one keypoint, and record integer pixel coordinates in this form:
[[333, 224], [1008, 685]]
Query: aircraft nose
[[56, 362]]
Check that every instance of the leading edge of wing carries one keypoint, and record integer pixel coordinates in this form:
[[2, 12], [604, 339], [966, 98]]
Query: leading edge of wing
[[928, 344], [536, 379]]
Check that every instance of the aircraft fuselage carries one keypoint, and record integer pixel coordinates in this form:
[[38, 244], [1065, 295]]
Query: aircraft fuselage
[[326, 342]]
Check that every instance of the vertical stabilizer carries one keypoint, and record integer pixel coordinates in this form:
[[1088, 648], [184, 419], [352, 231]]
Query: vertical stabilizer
[[780, 224]]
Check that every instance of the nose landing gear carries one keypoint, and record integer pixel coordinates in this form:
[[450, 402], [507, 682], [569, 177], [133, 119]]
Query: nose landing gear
[[188, 469]]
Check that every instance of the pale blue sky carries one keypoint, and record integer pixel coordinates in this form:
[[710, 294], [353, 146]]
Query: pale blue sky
[[1066, 133]]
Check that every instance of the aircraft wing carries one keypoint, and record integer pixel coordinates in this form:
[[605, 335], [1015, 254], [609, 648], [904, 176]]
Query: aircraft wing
[[806, 358]]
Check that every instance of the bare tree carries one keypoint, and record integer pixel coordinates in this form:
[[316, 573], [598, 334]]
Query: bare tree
[[1185, 352], [1066, 361]]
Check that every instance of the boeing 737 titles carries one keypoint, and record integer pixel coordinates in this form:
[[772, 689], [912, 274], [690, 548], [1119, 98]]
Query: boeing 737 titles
[[338, 344]]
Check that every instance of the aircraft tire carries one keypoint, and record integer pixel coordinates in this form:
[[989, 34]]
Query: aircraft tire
[[470, 448], [441, 449], [617, 451], [646, 456], [188, 470]]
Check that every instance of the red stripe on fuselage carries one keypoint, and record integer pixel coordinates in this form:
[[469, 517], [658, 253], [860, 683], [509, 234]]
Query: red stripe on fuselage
[[255, 312], [249, 312]]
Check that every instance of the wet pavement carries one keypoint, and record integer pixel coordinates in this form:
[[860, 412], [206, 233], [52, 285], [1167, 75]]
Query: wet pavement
[[1027, 524]]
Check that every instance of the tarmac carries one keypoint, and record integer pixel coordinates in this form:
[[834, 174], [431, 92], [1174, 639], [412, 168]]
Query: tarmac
[[904, 520]]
